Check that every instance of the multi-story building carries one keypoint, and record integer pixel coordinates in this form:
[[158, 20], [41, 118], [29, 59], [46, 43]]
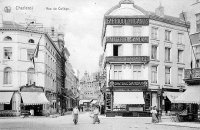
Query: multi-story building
[[191, 95], [145, 54], [26, 84], [89, 88]]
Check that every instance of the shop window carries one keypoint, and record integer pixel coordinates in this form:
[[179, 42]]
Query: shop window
[[7, 75]]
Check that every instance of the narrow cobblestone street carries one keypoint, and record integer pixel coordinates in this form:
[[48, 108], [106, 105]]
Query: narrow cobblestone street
[[85, 123]]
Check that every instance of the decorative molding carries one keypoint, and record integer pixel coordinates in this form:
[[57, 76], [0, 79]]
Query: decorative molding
[[137, 20], [127, 39], [135, 59], [131, 84]]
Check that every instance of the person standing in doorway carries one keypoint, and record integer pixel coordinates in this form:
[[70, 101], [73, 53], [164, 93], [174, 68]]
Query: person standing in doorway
[[75, 114]]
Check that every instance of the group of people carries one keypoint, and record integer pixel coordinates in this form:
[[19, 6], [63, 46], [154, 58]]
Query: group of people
[[95, 113]]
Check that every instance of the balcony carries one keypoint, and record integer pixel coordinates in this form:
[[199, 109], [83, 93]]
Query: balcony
[[127, 39], [192, 76], [131, 84], [125, 59]]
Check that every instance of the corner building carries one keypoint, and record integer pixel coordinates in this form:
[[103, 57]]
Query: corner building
[[145, 54]]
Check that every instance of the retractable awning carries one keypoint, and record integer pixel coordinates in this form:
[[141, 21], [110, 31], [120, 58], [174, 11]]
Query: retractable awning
[[94, 101], [128, 98], [34, 98], [191, 95], [5, 97], [172, 95]]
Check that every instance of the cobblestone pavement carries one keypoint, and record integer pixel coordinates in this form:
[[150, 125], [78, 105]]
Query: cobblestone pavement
[[85, 123]]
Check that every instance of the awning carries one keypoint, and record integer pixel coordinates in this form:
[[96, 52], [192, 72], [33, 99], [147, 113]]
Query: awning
[[5, 97], [94, 101], [82, 101], [172, 95], [34, 98], [128, 98], [191, 95]]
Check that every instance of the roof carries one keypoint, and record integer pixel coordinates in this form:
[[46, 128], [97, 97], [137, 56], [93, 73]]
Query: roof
[[168, 19]]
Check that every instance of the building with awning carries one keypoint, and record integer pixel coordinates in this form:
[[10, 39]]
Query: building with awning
[[191, 95], [34, 98], [172, 96], [5, 97]]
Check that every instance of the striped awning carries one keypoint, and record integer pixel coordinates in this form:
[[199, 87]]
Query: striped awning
[[34, 98], [5, 97], [191, 95]]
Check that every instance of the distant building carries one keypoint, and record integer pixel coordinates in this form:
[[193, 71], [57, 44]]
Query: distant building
[[145, 54]]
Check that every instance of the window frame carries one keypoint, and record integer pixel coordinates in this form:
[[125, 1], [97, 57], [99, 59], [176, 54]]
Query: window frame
[[154, 74], [8, 53], [168, 55], [167, 35], [154, 32], [167, 73], [7, 76]]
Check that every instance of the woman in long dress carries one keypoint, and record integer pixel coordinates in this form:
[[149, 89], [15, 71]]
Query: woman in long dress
[[154, 115]]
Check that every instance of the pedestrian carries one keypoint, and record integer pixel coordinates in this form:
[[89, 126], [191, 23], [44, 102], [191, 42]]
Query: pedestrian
[[96, 113], [154, 115], [75, 114], [82, 108]]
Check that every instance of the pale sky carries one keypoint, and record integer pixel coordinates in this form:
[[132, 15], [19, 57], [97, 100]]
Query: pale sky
[[82, 23]]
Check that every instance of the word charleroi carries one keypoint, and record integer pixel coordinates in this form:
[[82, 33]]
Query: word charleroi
[[24, 7]]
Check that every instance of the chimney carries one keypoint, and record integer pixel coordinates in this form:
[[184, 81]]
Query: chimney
[[160, 11]]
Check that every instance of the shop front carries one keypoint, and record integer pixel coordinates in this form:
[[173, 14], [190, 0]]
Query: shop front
[[34, 100], [126, 98], [9, 103]]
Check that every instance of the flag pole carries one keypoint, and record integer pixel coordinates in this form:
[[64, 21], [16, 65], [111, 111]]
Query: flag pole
[[190, 40]]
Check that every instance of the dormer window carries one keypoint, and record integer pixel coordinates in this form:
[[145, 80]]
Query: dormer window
[[7, 38], [31, 41]]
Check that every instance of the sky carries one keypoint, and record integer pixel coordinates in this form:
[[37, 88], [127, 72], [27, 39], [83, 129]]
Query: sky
[[81, 21]]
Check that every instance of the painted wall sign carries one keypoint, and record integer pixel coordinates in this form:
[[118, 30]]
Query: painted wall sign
[[137, 59], [127, 21], [127, 39], [142, 83]]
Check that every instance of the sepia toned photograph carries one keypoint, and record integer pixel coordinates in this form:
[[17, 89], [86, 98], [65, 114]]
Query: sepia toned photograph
[[99, 64]]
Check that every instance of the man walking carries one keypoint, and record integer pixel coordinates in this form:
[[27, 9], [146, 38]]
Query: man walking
[[75, 114], [96, 113]]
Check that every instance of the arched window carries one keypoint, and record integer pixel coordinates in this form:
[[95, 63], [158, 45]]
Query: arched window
[[7, 38], [31, 41], [7, 79], [30, 76]]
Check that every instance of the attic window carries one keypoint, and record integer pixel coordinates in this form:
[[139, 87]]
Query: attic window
[[31, 41], [7, 38]]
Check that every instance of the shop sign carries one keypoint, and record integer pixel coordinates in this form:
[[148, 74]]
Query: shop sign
[[127, 21], [138, 59], [139, 83], [127, 39]]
